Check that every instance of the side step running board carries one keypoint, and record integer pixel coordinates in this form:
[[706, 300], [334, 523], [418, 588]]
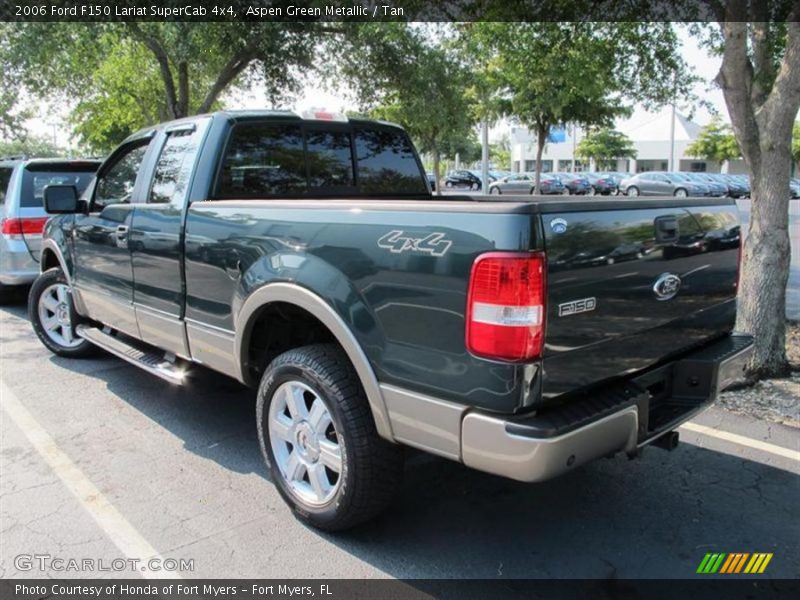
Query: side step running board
[[149, 360]]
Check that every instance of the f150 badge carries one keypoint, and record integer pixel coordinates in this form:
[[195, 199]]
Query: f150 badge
[[399, 241], [577, 306]]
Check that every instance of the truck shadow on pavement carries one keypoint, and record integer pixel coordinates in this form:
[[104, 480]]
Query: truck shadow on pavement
[[655, 516]]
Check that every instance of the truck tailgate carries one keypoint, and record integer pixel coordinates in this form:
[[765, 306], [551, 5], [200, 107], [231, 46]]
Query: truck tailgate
[[629, 287]]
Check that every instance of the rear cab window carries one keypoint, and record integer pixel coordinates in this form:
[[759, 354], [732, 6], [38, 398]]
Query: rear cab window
[[313, 159], [37, 176]]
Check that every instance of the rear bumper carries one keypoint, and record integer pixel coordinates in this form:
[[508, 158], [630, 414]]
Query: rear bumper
[[17, 266], [624, 417]]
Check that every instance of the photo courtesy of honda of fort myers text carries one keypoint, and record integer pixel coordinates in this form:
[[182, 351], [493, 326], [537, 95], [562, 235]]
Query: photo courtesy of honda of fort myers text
[[399, 299]]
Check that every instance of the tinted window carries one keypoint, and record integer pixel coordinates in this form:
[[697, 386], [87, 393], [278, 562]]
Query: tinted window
[[5, 179], [330, 159], [386, 163], [263, 160], [174, 167], [115, 186], [34, 182]]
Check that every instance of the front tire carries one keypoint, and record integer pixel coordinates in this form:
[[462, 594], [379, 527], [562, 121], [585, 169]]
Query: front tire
[[53, 316], [681, 193], [319, 440], [632, 191]]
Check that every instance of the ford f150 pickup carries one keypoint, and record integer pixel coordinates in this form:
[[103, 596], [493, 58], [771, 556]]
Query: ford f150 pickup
[[520, 335]]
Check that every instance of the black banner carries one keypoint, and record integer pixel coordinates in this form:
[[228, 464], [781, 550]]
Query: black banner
[[254, 11], [732, 588]]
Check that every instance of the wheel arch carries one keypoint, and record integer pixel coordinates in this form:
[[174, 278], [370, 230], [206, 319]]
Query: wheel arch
[[52, 256], [302, 298]]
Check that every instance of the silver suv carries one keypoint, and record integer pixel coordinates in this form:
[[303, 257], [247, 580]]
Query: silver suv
[[22, 216]]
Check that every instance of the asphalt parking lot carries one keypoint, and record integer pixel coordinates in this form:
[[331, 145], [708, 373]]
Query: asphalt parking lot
[[102, 461]]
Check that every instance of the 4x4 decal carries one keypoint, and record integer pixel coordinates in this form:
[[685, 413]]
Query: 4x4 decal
[[398, 241]]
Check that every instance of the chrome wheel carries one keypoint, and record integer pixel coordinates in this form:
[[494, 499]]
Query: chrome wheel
[[55, 316], [305, 444], [681, 193]]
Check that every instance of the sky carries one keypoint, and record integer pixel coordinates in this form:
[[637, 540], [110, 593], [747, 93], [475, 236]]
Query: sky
[[52, 120]]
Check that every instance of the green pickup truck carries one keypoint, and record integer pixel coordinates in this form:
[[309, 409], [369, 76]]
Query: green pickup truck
[[520, 335]]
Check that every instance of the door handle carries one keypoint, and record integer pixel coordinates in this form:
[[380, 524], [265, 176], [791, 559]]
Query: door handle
[[122, 231]]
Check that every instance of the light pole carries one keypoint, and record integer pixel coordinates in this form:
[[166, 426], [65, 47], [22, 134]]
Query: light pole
[[672, 139], [574, 142], [485, 156]]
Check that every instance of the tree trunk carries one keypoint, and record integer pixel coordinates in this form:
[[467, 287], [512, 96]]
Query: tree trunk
[[762, 122], [541, 140], [437, 179], [183, 90], [765, 265]]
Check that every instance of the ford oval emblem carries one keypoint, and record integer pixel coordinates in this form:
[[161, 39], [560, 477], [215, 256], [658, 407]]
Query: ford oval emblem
[[558, 225], [666, 286]]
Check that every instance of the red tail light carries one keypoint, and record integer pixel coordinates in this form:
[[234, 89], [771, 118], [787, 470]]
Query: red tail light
[[506, 306], [18, 227]]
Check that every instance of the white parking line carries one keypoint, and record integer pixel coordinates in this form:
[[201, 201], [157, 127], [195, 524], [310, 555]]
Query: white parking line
[[124, 536], [743, 441]]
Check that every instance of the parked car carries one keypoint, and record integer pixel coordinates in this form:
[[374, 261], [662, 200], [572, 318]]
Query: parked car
[[463, 179], [22, 215], [431, 180], [794, 188], [603, 184], [294, 276], [744, 181], [737, 187], [575, 183], [659, 183], [524, 183], [724, 238], [716, 188]]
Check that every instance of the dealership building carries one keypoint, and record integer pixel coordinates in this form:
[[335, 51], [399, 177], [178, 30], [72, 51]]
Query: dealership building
[[650, 134]]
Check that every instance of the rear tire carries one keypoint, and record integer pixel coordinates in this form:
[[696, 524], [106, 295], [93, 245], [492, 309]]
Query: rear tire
[[319, 440], [52, 314]]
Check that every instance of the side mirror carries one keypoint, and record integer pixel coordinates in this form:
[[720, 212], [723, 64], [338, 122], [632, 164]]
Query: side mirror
[[61, 200]]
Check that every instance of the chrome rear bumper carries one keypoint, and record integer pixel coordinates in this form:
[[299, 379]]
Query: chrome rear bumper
[[545, 445]]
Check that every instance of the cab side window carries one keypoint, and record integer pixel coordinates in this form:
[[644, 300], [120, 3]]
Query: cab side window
[[174, 168], [115, 185], [263, 159]]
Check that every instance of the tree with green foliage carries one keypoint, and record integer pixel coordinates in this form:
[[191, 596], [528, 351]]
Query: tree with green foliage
[[715, 142], [32, 146], [402, 75], [796, 142], [604, 146], [466, 146], [552, 73], [759, 44], [125, 75]]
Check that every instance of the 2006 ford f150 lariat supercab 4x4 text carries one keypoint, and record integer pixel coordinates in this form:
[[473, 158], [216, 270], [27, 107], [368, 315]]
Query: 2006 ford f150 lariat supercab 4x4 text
[[522, 336]]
